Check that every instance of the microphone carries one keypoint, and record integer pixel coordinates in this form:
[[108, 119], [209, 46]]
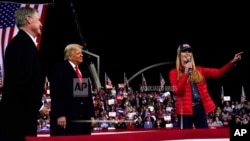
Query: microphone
[[188, 59]]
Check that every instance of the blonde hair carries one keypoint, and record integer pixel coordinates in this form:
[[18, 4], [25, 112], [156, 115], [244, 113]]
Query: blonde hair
[[69, 48], [195, 76]]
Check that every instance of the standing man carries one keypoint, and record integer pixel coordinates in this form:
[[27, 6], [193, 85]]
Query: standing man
[[23, 80], [72, 110]]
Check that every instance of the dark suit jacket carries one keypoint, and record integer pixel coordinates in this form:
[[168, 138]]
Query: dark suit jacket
[[64, 103], [23, 86]]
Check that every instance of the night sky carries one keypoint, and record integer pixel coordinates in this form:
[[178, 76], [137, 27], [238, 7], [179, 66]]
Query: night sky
[[129, 36]]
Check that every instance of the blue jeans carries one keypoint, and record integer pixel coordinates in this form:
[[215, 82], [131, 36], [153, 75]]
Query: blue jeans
[[199, 118]]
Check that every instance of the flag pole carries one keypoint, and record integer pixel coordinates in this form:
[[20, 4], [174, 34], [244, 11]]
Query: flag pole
[[95, 74]]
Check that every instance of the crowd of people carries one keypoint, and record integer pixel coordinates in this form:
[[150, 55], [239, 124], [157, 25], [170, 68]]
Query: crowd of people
[[119, 108]]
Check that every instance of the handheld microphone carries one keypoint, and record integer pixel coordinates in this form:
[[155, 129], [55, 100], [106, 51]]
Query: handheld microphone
[[188, 59]]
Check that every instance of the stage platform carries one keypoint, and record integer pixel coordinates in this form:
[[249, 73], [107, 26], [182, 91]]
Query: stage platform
[[162, 134]]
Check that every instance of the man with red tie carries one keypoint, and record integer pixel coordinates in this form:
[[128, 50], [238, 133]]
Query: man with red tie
[[70, 101]]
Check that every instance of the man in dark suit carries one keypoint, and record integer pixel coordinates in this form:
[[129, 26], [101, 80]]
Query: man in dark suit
[[72, 110], [23, 80]]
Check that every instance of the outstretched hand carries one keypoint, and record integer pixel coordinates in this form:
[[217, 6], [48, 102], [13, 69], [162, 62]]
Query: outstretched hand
[[237, 57], [44, 112]]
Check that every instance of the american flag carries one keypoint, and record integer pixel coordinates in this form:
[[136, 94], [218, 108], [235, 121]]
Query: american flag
[[125, 80], [91, 84], [8, 28], [108, 82], [242, 91], [243, 95], [162, 82], [222, 94], [144, 83]]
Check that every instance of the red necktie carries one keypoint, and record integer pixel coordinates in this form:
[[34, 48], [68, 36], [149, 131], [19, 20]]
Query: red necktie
[[78, 74]]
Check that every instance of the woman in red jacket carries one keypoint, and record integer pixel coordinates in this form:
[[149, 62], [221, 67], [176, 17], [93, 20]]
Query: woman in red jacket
[[193, 101]]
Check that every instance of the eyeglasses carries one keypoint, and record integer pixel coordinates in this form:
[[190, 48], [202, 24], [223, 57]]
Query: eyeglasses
[[187, 50]]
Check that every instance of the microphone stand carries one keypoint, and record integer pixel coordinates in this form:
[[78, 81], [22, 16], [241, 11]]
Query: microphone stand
[[94, 74]]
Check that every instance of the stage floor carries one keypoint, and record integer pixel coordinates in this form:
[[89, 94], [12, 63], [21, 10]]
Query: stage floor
[[162, 134]]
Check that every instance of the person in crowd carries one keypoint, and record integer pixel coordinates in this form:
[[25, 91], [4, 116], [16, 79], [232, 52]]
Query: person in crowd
[[159, 123], [193, 100], [72, 109], [246, 105], [23, 79], [139, 123], [121, 123], [130, 124], [148, 123]]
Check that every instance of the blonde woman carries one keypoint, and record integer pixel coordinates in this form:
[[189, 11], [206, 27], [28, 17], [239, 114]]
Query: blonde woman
[[193, 100]]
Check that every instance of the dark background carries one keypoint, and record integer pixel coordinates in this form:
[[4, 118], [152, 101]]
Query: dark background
[[129, 36]]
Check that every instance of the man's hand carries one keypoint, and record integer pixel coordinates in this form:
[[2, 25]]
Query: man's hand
[[61, 121], [44, 112], [93, 122]]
